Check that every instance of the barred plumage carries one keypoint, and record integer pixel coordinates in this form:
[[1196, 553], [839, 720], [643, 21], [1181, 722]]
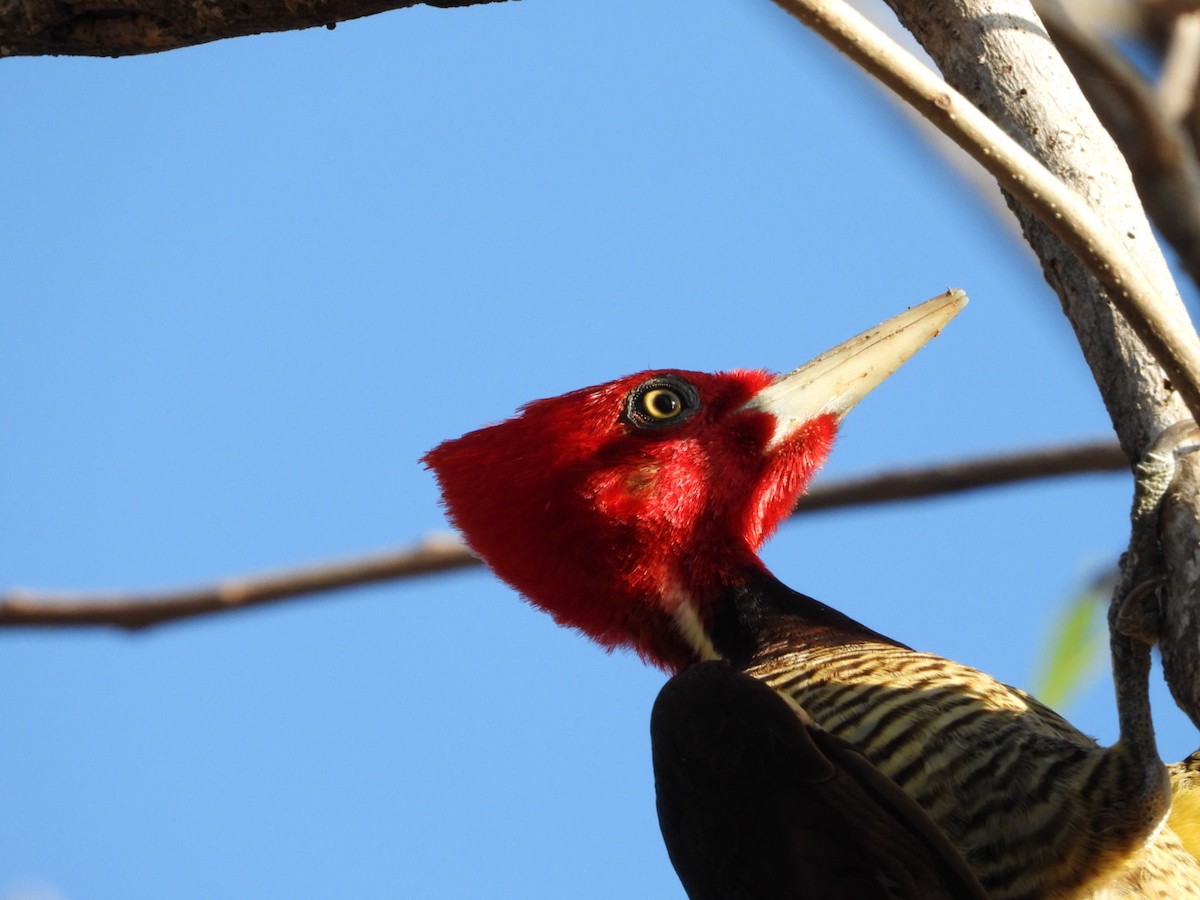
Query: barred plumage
[[1033, 804]]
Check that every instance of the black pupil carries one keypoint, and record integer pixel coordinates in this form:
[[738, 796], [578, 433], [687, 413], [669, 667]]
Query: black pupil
[[665, 403]]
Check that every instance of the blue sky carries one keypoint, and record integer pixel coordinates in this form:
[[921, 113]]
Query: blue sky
[[247, 285]]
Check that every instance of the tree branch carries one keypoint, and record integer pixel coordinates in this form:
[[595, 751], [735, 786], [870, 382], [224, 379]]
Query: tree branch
[[132, 27], [1158, 151], [954, 477], [1181, 66], [135, 611]]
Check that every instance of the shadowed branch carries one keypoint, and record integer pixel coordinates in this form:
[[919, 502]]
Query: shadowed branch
[[132, 27], [1162, 162]]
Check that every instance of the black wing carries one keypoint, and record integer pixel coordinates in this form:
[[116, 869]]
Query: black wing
[[755, 804]]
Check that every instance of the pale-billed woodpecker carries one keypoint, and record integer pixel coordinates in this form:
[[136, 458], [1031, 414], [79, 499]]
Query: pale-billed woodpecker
[[798, 753]]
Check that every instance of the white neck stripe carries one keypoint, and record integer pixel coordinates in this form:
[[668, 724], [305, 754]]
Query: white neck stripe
[[688, 622]]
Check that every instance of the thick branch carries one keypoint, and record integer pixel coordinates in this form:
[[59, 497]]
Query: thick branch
[[131, 27], [1179, 634], [137, 611]]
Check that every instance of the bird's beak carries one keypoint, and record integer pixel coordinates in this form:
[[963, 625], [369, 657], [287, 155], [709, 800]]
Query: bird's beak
[[836, 380]]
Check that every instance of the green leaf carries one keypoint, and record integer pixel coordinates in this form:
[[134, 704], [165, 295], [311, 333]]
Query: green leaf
[[1076, 646]]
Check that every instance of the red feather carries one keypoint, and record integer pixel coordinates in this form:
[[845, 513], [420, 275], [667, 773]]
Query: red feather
[[678, 511]]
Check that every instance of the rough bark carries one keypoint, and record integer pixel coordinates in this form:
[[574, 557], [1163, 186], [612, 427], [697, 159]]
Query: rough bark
[[131, 27], [997, 53]]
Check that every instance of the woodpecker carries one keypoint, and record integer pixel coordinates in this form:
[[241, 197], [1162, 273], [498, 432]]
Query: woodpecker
[[797, 752]]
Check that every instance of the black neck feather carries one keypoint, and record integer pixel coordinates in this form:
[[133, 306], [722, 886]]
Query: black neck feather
[[761, 612]]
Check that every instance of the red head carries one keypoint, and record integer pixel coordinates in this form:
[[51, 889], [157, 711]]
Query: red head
[[627, 509]]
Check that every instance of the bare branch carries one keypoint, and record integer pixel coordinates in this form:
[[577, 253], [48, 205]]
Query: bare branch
[[950, 478], [131, 27], [136, 611]]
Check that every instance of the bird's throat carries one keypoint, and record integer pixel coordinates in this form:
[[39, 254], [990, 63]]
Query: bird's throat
[[759, 612]]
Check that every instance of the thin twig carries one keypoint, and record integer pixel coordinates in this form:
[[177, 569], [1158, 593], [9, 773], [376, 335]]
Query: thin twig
[[1062, 210], [134, 611], [949, 478]]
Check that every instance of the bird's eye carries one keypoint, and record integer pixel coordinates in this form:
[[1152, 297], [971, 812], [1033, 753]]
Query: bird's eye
[[661, 401]]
